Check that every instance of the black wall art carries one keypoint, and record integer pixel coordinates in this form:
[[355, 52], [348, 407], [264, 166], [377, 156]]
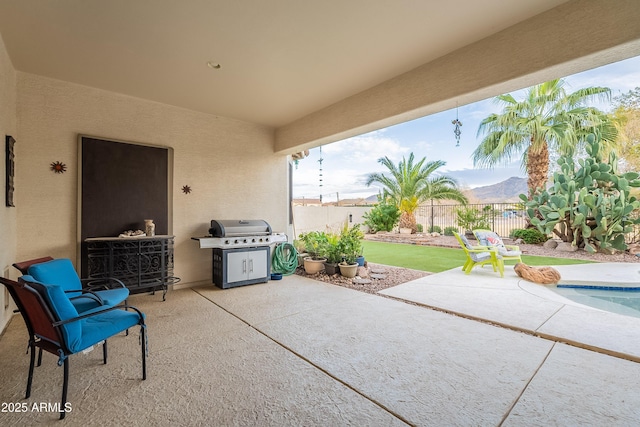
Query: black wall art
[[10, 170]]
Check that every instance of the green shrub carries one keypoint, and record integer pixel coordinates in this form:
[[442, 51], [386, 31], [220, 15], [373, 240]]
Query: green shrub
[[419, 228], [435, 229], [382, 217], [469, 218], [448, 231], [530, 236]]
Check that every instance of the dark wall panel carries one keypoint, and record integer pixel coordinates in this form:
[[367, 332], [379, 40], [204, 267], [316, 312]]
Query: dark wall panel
[[122, 185]]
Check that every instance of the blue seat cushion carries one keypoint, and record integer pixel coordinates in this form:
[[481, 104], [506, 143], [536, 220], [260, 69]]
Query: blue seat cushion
[[102, 326], [115, 296], [110, 298]]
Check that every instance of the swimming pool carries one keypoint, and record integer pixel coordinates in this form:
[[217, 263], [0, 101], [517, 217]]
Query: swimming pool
[[613, 287], [609, 298]]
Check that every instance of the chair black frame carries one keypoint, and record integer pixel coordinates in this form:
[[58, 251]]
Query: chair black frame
[[46, 334]]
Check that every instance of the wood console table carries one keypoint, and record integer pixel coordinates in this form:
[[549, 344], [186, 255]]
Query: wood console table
[[142, 263]]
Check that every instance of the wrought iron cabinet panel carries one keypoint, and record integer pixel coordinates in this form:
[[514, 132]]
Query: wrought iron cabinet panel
[[142, 263]]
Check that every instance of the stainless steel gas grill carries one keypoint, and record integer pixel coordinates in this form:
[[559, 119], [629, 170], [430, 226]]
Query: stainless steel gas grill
[[241, 251]]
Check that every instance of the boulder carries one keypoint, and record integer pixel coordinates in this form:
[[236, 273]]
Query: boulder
[[551, 244], [566, 247], [634, 249], [363, 272]]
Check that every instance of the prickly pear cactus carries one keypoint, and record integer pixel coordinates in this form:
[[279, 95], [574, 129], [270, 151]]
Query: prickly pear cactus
[[589, 206]]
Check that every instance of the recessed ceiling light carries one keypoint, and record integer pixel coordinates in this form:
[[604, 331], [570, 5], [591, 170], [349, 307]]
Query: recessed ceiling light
[[213, 65]]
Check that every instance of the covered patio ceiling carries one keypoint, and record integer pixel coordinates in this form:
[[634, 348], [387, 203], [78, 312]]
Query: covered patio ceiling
[[314, 71]]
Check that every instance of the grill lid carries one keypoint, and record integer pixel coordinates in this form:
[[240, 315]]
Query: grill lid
[[235, 227]]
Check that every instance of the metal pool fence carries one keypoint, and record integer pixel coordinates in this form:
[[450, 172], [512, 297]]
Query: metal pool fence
[[502, 218]]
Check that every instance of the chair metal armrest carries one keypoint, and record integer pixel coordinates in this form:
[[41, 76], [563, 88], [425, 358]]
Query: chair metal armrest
[[90, 283], [101, 311]]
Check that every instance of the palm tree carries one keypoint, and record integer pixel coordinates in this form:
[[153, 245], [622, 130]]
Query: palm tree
[[409, 184], [548, 118]]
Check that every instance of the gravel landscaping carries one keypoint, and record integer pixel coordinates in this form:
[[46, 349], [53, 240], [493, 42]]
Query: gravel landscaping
[[396, 275]]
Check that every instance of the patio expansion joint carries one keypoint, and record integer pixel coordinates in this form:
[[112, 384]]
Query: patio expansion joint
[[300, 356], [535, 333], [526, 386]]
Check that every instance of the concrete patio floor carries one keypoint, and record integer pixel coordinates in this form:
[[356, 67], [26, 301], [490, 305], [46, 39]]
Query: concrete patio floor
[[301, 352]]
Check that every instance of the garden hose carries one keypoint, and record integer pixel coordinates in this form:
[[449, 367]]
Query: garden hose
[[285, 259]]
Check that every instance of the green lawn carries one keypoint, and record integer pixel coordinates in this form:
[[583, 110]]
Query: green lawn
[[435, 259]]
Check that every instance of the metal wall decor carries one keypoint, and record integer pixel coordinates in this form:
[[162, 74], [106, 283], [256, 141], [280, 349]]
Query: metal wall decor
[[186, 189], [10, 170], [456, 130], [58, 167]]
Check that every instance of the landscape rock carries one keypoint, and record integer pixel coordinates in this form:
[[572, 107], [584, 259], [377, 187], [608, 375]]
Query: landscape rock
[[551, 244], [634, 249], [518, 241], [435, 234], [566, 247], [363, 272]]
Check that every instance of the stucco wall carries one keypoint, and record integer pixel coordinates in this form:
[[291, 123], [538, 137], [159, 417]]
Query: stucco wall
[[326, 218], [229, 165], [7, 215]]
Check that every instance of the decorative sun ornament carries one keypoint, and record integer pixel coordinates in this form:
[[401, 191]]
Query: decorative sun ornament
[[58, 167], [186, 189]]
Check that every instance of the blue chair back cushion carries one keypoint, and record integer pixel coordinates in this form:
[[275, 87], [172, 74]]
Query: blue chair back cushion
[[61, 308], [59, 272]]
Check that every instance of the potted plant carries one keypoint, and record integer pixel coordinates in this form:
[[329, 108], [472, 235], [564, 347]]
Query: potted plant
[[302, 251], [332, 253], [314, 241], [350, 247]]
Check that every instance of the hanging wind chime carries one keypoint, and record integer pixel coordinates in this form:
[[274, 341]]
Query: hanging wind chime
[[320, 173], [456, 130]]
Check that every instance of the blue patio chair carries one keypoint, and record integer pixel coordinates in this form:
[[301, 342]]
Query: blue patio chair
[[94, 293], [55, 326]]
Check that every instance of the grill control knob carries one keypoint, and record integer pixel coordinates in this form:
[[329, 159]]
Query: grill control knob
[[226, 242], [244, 241], [236, 241], [253, 240]]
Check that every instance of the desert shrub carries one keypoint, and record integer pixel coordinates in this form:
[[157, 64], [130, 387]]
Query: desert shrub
[[448, 231], [435, 229], [530, 236], [469, 218], [419, 228], [382, 217]]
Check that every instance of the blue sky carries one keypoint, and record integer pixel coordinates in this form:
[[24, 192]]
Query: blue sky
[[347, 163]]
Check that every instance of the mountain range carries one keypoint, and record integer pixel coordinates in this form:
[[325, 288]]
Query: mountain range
[[505, 191]]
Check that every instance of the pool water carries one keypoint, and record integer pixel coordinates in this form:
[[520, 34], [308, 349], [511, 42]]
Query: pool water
[[614, 299]]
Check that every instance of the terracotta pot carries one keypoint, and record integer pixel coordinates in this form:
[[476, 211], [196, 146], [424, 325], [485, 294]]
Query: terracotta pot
[[313, 266], [348, 270]]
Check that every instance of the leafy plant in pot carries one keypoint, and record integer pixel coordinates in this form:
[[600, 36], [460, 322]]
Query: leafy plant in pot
[[314, 242], [350, 247], [331, 251]]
